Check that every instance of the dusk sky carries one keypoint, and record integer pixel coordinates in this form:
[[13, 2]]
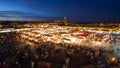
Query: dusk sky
[[48, 10]]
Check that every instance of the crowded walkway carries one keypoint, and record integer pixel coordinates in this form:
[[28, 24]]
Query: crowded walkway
[[18, 54]]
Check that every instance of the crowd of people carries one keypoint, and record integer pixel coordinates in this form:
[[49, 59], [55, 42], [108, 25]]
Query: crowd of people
[[51, 55], [47, 56]]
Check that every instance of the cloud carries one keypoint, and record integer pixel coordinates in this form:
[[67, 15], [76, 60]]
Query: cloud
[[19, 15], [16, 13], [24, 16]]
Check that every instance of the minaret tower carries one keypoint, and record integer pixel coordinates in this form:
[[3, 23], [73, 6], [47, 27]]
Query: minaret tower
[[65, 20]]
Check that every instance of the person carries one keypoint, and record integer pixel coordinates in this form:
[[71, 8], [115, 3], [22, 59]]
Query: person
[[4, 65], [67, 61], [32, 64], [64, 66], [0, 65], [48, 65]]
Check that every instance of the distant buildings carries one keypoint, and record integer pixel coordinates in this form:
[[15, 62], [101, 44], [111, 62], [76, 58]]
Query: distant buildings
[[1, 26], [60, 22], [97, 26]]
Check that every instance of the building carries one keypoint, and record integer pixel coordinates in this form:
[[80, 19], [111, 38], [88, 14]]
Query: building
[[61, 22]]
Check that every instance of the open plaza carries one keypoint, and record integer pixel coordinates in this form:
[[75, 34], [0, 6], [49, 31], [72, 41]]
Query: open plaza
[[41, 45]]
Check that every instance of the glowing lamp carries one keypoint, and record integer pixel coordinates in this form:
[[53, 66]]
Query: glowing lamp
[[114, 59]]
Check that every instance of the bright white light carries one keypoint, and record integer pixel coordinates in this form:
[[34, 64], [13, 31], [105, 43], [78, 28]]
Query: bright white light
[[98, 43]]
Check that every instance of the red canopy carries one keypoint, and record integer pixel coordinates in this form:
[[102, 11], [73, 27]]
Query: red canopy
[[85, 35]]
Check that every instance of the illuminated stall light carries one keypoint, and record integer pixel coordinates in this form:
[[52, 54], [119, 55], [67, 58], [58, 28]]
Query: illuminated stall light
[[113, 59]]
